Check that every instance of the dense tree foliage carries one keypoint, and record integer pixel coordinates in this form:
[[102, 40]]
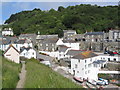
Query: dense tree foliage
[[80, 18]]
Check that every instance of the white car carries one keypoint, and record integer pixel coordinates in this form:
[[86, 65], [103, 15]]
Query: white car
[[101, 83], [104, 80]]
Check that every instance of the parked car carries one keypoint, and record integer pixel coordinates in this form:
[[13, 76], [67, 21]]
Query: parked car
[[100, 82], [106, 81]]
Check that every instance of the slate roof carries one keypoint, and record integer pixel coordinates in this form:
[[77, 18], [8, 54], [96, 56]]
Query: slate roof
[[63, 48], [22, 41], [9, 40], [27, 35], [69, 41], [67, 31], [99, 62], [23, 48], [94, 33], [50, 40], [73, 52], [84, 55], [44, 57], [42, 37]]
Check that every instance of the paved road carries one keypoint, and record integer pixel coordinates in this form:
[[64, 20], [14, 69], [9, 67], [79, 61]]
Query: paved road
[[22, 76]]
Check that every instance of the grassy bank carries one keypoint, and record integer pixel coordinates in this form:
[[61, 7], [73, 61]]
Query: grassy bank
[[10, 73], [41, 76]]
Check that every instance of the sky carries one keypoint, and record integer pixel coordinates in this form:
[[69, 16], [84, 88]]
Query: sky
[[9, 7]]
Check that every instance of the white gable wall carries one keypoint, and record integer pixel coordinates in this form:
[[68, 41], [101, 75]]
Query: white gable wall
[[80, 68], [28, 54], [12, 55]]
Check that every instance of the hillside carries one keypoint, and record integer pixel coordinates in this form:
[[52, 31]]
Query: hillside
[[80, 18], [41, 76], [10, 73]]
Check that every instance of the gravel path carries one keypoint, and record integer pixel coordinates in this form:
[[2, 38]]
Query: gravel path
[[22, 76]]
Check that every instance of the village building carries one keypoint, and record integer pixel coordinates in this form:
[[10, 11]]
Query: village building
[[114, 35], [86, 65], [28, 52], [31, 37], [7, 31], [12, 54], [69, 34], [47, 44], [62, 49], [44, 59], [6, 41], [94, 36]]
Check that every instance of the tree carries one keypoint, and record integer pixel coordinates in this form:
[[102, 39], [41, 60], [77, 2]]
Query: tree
[[60, 8], [60, 33]]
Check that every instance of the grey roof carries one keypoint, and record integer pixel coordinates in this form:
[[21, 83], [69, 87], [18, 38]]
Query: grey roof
[[22, 41], [44, 57], [99, 62], [23, 48], [69, 41], [50, 40], [67, 31], [73, 52], [94, 33], [79, 36], [62, 48], [27, 35], [9, 40], [42, 37], [84, 55]]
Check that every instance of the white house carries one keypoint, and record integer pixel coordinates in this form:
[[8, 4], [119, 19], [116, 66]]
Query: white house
[[28, 52], [12, 54], [62, 51], [115, 58], [19, 44], [71, 44], [7, 31], [85, 66]]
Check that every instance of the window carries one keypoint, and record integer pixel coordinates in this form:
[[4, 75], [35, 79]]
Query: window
[[53, 45], [114, 59], [46, 48], [46, 44], [8, 55], [79, 61], [85, 61], [108, 59], [77, 71], [75, 65], [88, 71], [85, 72], [33, 53], [82, 68], [89, 65], [91, 60], [40, 44], [85, 66]]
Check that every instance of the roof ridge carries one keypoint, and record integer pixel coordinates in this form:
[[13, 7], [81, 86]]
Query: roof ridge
[[10, 47]]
